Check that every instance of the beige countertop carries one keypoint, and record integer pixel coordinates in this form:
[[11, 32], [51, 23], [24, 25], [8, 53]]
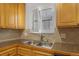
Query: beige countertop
[[66, 47]]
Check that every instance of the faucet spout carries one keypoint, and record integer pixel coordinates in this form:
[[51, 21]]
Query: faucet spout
[[41, 37]]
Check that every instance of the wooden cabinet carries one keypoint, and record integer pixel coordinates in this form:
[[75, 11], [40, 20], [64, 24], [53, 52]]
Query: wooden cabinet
[[12, 16], [9, 51], [21, 16], [9, 16], [21, 50], [24, 51], [12, 52], [28, 50], [31, 51], [40, 53], [4, 53], [2, 16], [66, 14], [77, 12]]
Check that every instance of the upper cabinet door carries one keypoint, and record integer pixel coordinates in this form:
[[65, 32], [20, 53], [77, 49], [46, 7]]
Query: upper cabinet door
[[77, 13], [12, 16], [66, 14], [15, 16], [21, 16], [2, 16]]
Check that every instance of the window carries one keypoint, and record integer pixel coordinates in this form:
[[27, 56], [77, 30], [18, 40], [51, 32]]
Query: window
[[42, 20]]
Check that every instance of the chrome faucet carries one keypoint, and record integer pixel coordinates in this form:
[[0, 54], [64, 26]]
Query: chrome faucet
[[44, 42], [41, 37]]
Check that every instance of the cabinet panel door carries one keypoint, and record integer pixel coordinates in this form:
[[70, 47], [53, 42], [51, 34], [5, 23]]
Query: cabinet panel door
[[66, 14], [40, 53], [2, 16], [12, 51], [12, 19], [21, 16], [4, 53], [77, 13], [12, 16], [24, 51], [7, 10], [9, 51]]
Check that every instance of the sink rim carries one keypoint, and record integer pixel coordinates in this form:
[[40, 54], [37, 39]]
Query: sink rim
[[34, 44]]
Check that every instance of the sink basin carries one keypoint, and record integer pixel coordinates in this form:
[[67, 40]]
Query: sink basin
[[38, 43], [29, 42]]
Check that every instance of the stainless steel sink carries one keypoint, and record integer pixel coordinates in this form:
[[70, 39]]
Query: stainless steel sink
[[38, 43]]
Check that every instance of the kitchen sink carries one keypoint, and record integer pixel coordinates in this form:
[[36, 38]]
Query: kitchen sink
[[38, 43]]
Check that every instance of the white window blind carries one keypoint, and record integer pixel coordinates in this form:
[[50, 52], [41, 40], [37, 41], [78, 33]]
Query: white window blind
[[42, 20]]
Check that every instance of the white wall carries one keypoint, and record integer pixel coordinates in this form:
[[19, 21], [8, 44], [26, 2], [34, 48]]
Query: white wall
[[31, 6]]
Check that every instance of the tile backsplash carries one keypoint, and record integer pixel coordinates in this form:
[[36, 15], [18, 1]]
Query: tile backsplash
[[54, 37], [8, 33], [69, 35]]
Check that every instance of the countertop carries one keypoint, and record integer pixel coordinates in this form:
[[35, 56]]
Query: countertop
[[66, 47]]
